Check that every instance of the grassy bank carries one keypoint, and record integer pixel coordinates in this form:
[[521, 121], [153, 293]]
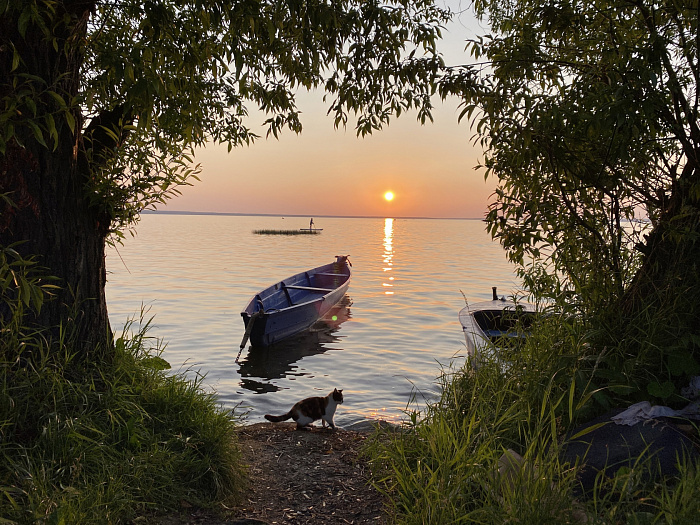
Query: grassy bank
[[104, 442], [458, 460]]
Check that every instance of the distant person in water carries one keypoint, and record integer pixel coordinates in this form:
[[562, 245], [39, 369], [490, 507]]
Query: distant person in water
[[311, 224]]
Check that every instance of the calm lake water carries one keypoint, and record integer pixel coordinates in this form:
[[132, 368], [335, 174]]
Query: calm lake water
[[397, 327]]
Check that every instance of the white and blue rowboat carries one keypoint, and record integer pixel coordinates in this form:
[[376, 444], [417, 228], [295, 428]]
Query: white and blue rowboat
[[487, 325], [295, 303]]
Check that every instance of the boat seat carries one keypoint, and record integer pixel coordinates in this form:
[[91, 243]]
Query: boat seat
[[329, 274], [308, 288]]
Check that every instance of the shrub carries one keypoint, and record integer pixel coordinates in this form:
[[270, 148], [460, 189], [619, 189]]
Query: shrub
[[102, 441]]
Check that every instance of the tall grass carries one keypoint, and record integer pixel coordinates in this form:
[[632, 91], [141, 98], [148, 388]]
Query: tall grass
[[101, 442], [489, 450]]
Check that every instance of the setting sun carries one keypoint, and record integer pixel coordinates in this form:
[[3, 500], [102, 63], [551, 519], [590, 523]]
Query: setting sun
[[389, 196]]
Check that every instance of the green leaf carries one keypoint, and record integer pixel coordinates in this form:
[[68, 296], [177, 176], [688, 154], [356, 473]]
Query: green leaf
[[25, 292], [588, 430], [661, 390], [15, 59], [70, 120], [23, 21], [682, 362], [58, 98], [51, 128], [156, 363], [38, 135]]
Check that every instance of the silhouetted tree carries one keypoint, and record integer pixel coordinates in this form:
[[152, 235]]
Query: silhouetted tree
[[588, 113], [102, 103]]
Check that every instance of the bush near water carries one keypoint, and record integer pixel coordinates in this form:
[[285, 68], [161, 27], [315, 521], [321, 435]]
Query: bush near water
[[105, 439], [459, 459]]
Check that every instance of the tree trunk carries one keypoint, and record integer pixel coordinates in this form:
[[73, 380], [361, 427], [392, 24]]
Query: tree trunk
[[54, 223], [53, 218], [658, 321], [670, 264], [672, 251]]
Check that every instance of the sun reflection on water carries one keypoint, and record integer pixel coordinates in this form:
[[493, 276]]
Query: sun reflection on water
[[388, 254]]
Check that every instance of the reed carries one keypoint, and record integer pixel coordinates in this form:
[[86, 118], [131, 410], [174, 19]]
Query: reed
[[286, 232], [104, 442], [488, 450]]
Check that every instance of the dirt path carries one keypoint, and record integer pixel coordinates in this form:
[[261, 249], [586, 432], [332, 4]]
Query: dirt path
[[297, 477]]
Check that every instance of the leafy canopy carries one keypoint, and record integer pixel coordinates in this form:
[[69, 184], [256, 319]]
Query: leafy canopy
[[161, 77], [587, 111]]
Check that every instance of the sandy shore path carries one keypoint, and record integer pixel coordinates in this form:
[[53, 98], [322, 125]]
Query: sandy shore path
[[296, 477]]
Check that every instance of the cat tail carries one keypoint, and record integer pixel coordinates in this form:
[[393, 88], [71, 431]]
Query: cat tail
[[277, 419]]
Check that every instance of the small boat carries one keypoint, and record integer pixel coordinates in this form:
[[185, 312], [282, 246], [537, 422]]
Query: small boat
[[487, 324], [295, 303]]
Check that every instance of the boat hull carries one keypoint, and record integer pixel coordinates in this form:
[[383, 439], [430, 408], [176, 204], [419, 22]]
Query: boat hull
[[295, 303], [485, 324]]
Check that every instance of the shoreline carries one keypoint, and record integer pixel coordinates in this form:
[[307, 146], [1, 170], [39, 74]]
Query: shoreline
[[297, 477]]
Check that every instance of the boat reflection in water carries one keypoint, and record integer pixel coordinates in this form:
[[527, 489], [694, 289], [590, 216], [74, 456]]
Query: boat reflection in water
[[263, 364]]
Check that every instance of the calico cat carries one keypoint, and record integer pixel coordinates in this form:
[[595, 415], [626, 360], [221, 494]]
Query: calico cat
[[311, 409]]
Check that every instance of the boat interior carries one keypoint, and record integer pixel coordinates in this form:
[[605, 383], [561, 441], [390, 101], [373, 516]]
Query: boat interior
[[497, 324], [301, 288]]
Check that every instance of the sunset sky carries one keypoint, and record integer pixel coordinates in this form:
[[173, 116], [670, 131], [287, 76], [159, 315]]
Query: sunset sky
[[430, 169]]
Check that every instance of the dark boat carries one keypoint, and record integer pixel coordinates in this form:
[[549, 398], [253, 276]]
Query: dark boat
[[295, 303]]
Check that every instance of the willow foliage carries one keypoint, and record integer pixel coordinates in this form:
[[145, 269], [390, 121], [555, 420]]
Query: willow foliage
[[158, 78], [588, 114]]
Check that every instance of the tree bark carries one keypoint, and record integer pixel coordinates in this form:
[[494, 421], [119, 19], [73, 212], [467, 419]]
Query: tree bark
[[659, 315], [53, 217], [672, 251]]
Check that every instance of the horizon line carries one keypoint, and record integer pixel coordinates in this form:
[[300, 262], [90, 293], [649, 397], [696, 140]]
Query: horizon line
[[184, 212]]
